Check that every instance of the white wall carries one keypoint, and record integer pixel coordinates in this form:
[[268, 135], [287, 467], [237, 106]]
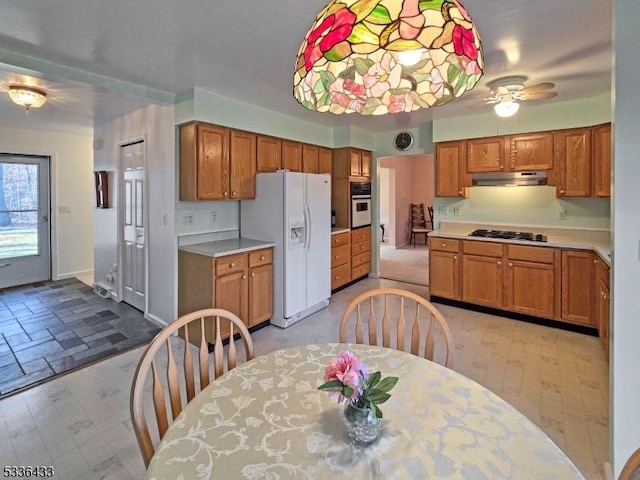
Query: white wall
[[156, 125], [72, 190], [625, 336]]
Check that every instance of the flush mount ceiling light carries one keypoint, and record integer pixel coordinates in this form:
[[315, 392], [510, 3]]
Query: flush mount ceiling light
[[387, 56], [27, 97], [506, 108]]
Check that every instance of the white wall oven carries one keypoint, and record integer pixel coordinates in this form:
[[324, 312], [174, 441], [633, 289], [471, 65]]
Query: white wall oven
[[360, 204]]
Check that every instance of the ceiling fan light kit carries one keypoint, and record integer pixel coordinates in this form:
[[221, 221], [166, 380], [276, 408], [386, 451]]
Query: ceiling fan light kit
[[387, 56], [507, 108], [27, 97], [506, 92]]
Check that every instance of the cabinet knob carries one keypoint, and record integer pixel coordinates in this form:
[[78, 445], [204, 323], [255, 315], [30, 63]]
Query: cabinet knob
[[459, 192], [336, 277], [501, 167], [562, 192], [232, 265], [244, 276], [595, 260], [224, 194], [335, 241], [253, 274], [499, 262], [444, 245], [510, 264], [261, 257], [336, 257], [455, 257]]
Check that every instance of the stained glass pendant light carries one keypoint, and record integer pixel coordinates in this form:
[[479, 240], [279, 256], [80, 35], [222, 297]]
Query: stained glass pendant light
[[375, 57]]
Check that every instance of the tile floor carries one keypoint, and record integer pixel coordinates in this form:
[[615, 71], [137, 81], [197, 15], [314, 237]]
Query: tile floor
[[80, 422], [54, 327]]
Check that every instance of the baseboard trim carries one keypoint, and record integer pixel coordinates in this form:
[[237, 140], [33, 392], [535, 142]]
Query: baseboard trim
[[79, 273], [571, 327], [157, 320]]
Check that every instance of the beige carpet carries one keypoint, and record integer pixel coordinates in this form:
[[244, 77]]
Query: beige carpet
[[405, 264]]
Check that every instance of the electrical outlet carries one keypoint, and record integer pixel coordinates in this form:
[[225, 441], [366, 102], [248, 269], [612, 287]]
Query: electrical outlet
[[456, 211], [165, 219], [562, 214], [444, 210], [187, 218], [213, 217]]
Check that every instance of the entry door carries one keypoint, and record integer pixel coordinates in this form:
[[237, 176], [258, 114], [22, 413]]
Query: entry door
[[134, 258], [25, 255]]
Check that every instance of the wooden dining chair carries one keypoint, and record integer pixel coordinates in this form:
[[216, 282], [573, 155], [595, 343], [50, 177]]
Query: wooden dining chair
[[415, 320], [631, 469], [173, 375], [418, 223]]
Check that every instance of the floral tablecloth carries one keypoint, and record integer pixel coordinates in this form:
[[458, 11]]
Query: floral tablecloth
[[266, 420]]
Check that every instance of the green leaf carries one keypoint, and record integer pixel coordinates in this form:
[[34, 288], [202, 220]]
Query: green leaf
[[362, 65], [361, 34], [377, 411], [432, 4], [331, 385], [378, 397], [347, 392], [387, 384], [374, 378], [379, 16], [452, 71]]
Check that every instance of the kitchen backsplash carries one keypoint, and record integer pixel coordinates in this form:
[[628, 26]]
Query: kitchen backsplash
[[524, 205]]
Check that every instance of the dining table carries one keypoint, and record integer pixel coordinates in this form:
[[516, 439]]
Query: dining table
[[267, 420]]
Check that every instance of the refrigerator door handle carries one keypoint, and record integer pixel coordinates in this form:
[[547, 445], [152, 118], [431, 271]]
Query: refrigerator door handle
[[307, 226]]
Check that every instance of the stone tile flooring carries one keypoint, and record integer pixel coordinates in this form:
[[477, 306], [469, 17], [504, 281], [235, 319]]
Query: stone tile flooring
[[51, 328], [80, 422]]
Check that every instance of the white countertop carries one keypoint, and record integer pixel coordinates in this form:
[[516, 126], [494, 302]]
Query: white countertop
[[220, 248], [576, 238], [336, 230]]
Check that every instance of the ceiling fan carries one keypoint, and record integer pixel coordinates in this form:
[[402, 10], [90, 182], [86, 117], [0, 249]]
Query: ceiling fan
[[506, 92]]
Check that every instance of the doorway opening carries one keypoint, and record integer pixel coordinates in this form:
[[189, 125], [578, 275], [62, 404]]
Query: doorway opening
[[25, 240], [403, 181]]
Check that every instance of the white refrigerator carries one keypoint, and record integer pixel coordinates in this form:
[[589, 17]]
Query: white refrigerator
[[293, 210]]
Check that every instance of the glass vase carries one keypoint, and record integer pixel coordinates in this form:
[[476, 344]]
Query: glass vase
[[362, 424]]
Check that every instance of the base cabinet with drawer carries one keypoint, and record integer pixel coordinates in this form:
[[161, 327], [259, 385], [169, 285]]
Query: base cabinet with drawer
[[360, 252], [340, 259], [241, 283], [444, 268], [603, 300]]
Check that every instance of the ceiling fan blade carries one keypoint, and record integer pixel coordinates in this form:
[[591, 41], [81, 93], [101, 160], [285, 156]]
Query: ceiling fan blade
[[539, 95], [538, 88], [489, 100]]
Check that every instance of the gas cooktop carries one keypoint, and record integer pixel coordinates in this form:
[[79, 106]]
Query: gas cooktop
[[526, 236]]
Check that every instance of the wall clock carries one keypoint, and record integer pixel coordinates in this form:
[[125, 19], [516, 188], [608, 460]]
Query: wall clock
[[403, 141]]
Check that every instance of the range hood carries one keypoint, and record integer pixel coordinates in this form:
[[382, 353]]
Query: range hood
[[508, 179]]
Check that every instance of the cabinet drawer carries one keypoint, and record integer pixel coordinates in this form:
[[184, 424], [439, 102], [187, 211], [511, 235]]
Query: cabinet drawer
[[443, 244], [231, 263], [260, 257], [487, 249], [360, 235], [340, 239], [361, 259], [361, 247], [531, 254], [340, 255], [360, 271], [340, 275]]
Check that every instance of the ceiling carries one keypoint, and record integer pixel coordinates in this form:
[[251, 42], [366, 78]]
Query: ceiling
[[98, 60]]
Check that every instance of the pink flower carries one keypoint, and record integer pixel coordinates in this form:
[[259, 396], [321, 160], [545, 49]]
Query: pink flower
[[463, 42], [344, 363], [333, 30]]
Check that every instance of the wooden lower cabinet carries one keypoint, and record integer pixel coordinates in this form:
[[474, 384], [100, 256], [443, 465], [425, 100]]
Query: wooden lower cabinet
[[603, 300], [482, 272], [360, 252], [241, 283], [444, 268], [340, 259], [578, 287]]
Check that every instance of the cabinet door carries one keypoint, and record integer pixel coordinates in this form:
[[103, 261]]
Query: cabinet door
[[354, 162], [231, 294], [577, 287], [603, 314], [532, 151], [310, 159], [451, 177], [268, 154], [573, 162], [212, 163], [325, 160], [485, 154], [292, 155], [260, 294], [444, 275], [365, 163], [482, 280], [242, 161], [531, 288], [601, 158]]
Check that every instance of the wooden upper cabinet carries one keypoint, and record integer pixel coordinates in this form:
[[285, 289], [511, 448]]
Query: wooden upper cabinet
[[204, 162], [451, 176], [242, 161], [310, 159], [325, 160], [485, 154], [601, 158], [351, 162], [365, 163], [268, 154], [354, 162], [573, 162], [531, 151], [292, 155]]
